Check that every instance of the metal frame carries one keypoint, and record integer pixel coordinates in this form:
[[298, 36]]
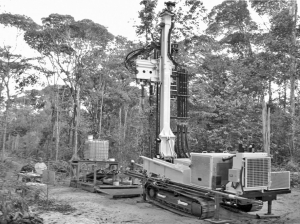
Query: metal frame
[[76, 170]]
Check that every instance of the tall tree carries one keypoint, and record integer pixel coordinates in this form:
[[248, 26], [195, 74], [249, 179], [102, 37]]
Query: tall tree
[[69, 44], [293, 15], [283, 43], [14, 68]]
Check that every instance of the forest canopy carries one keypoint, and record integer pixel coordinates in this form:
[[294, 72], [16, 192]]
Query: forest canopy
[[235, 64]]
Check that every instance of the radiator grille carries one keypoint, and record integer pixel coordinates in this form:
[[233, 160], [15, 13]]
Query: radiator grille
[[257, 172]]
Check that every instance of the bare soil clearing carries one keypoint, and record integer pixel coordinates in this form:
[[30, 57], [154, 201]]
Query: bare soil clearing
[[92, 208]]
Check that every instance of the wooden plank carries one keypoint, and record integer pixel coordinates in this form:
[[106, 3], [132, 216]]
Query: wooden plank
[[126, 196], [116, 187], [86, 187], [122, 193]]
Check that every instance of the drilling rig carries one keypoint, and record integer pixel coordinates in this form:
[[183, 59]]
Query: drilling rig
[[198, 184]]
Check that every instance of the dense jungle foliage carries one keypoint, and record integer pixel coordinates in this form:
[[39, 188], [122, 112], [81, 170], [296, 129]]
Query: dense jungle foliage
[[238, 54]]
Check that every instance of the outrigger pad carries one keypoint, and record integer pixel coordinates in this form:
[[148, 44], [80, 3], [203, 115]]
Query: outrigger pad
[[267, 216], [218, 221]]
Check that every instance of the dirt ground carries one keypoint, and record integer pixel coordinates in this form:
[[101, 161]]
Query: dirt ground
[[94, 208]]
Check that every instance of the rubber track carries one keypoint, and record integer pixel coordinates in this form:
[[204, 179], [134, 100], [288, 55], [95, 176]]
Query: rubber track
[[171, 209], [208, 210], [255, 207], [207, 206], [235, 210]]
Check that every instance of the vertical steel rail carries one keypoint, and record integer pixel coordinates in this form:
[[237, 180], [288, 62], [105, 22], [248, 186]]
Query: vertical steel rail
[[157, 116]]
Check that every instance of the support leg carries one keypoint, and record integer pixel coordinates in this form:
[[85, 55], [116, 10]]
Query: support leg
[[95, 174], [269, 208], [144, 190], [269, 212], [144, 196], [217, 207], [216, 218], [77, 172]]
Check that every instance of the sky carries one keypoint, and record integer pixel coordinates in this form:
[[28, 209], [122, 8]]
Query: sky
[[117, 15]]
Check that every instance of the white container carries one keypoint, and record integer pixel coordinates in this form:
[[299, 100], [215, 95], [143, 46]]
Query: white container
[[280, 180], [90, 137], [116, 183], [136, 181], [96, 150]]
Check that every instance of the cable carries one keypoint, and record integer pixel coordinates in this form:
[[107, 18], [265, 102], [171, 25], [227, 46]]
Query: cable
[[169, 52], [130, 58], [241, 175]]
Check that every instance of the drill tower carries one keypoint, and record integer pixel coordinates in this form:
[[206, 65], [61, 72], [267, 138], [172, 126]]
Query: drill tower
[[171, 83]]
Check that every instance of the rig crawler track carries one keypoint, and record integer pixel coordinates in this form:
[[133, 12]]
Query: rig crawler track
[[190, 200], [179, 202]]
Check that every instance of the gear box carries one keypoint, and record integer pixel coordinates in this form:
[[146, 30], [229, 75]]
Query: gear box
[[209, 170], [147, 70]]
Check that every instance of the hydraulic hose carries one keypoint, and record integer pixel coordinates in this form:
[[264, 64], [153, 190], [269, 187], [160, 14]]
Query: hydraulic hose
[[228, 158], [169, 50], [191, 187], [241, 182]]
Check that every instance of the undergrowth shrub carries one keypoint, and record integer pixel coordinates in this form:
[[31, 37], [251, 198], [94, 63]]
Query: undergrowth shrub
[[18, 198]]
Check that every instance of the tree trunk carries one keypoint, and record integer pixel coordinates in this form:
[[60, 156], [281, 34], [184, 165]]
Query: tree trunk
[[71, 134], [284, 95], [4, 136], [13, 143], [125, 121], [293, 13], [270, 92], [120, 132], [76, 119], [6, 113], [101, 111], [57, 129], [10, 142], [53, 130], [16, 142]]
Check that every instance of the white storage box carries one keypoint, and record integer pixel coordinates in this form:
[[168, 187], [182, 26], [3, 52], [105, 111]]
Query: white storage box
[[280, 180], [96, 150], [209, 170]]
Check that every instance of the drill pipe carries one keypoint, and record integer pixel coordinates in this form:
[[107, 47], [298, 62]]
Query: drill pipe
[[191, 188]]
